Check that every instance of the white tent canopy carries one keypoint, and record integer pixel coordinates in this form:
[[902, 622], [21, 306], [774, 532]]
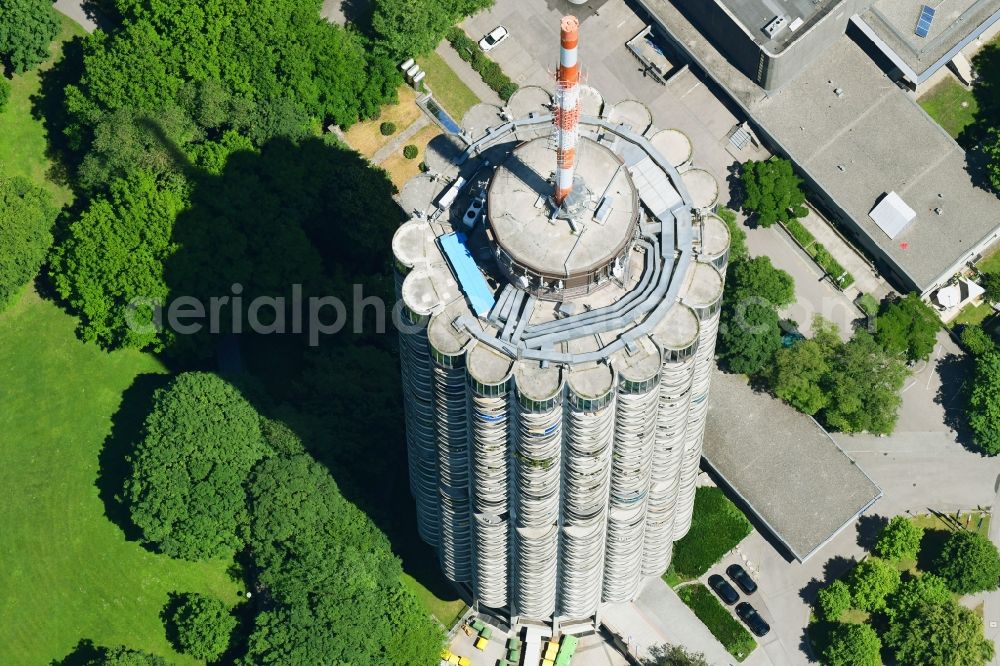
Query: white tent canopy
[[892, 214]]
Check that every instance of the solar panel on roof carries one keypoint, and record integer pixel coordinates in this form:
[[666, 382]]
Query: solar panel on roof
[[925, 20]]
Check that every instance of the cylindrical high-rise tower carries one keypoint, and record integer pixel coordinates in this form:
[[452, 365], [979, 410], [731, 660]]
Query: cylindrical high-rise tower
[[556, 357]]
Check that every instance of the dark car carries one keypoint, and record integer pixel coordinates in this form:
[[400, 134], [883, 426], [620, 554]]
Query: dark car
[[753, 619], [722, 588], [742, 578]]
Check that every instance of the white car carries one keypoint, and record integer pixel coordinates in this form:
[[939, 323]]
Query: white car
[[493, 40]]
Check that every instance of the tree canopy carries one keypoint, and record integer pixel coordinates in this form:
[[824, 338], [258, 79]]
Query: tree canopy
[[773, 191], [853, 645], [939, 634], [916, 592], [871, 582], [674, 655], [834, 599], [758, 278], [864, 385], [27, 27], [977, 340], [969, 562], [26, 218], [798, 373], [185, 490], [908, 326], [332, 574], [201, 626], [899, 539], [750, 338], [984, 403]]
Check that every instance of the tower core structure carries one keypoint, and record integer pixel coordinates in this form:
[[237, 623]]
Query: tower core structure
[[561, 281]]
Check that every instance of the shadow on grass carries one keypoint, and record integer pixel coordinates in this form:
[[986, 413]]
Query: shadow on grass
[[113, 465], [84, 653]]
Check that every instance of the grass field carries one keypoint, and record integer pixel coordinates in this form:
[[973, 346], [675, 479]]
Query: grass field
[[733, 635], [447, 87], [718, 526], [68, 572], [22, 137], [401, 169], [991, 263], [366, 138], [951, 104]]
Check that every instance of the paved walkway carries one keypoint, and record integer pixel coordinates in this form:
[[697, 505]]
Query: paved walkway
[[469, 76], [658, 616], [400, 140], [866, 279], [74, 10]]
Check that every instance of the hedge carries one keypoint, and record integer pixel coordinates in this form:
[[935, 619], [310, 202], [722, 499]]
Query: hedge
[[717, 527], [490, 72], [410, 151], [733, 635], [819, 253]]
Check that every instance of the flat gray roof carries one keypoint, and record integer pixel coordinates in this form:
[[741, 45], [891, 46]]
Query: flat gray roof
[[879, 136], [755, 14], [783, 465], [956, 23], [872, 139]]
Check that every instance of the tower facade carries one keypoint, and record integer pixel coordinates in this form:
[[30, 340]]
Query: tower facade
[[557, 339]]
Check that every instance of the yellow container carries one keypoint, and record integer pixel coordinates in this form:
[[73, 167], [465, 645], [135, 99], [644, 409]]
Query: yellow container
[[481, 643]]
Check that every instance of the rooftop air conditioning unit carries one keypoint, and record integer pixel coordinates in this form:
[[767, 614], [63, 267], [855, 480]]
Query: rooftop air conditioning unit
[[775, 26]]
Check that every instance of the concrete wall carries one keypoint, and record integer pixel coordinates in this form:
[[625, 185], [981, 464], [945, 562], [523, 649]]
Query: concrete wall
[[769, 70]]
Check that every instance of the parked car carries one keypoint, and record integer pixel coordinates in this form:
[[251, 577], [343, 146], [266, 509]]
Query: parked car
[[494, 38], [722, 588], [742, 578], [753, 619]]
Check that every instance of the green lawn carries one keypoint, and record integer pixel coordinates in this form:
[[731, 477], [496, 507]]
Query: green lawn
[[22, 137], [717, 527], [951, 104], [446, 611], [448, 89], [991, 263], [733, 635], [973, 314], [67, 571]]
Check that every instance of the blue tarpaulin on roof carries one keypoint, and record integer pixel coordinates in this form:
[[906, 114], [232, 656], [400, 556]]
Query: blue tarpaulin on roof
[[470, 278]]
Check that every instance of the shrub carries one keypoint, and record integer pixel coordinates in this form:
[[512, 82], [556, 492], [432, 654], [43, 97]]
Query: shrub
[[26, 219], [717, 527], [834, 599], [868, 304], [489, 71], [4, 92], [737, 640], [387, 128], [976, 340], [423, 167], [737, 236], [799, 232], [969, 562], [899, 539], [201, 626], [410, 152]]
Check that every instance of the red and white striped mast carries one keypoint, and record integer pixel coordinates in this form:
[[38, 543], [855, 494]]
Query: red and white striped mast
[[567, 114]]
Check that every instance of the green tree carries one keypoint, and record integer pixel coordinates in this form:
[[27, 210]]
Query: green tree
[[201, 626], [984, 403], [737, 235], [798, 373], [939, 634], [908, 326], [899, 539], [773, 191], [969, 562], [109, 266], [26, 219], [757, 277], [751, 337], [4, 92], [674, 655], [916, 592], [977, 340], [185, 491], [864, 386], [121, 655], [871, 582], [334, 579], [991, 283], [834, 599], [853, 645], [27, 27], [991, 148]]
